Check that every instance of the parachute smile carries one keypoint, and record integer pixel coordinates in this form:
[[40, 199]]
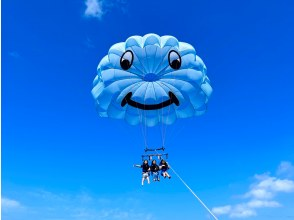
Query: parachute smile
[[172, 99]]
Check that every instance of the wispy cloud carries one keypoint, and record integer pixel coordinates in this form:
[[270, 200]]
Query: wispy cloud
[[42, 204], [14, 54], [108, 214], [89, 43], [261, 194], [94, 8], [9, 204], [286, 169]]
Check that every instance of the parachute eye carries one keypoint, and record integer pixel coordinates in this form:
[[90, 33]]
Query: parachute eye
[[126, 60], [174, 59]]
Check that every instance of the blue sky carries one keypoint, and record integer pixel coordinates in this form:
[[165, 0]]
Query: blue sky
[[61, 161]]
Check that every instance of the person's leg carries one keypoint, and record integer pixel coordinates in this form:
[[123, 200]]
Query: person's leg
[[148, 180], [157, 176], [143, 178], [164, 174]]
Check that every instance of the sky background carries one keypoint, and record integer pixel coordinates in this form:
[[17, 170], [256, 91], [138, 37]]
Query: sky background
[[60, 161]]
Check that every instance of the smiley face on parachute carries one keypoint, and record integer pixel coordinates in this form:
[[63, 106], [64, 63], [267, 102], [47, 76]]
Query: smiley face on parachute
[[151, 80]]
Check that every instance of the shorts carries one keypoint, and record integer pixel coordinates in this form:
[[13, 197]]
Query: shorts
[[145, 175], [163, 171]]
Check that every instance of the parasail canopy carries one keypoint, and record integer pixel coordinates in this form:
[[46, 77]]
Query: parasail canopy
[[151, 80]]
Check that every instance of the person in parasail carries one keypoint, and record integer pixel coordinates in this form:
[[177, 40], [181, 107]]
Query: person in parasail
[[163, 165], [154, 168], [145, 171]]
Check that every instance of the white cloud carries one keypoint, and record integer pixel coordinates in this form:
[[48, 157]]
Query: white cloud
[[242, 211], [263, 204], [222, 210], [261, 194], [9, 203], [245, 210], [98, 8], [94, 8], [236, 211], [267, 187], [273, 184]]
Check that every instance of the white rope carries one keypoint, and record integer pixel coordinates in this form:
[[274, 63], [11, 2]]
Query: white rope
[[202, 203]]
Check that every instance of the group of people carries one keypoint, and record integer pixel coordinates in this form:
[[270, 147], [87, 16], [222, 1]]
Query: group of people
[[154, 170]]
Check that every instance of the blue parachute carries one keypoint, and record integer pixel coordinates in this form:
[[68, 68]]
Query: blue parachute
[[151, 80]]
